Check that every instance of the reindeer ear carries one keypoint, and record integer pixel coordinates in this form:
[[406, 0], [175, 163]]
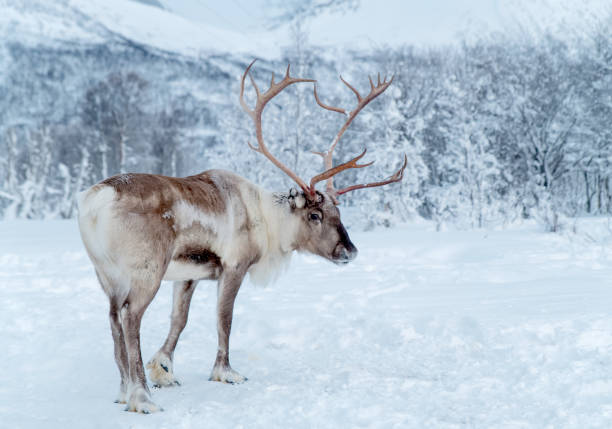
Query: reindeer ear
[[296, 199], [300, 201]]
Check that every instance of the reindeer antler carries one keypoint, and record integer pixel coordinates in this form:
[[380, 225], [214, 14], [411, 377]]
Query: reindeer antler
[[396, 177], [255, 114], [330, 172]]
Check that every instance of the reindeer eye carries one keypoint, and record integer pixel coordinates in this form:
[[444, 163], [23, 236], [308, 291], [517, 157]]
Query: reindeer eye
[[315, 216]]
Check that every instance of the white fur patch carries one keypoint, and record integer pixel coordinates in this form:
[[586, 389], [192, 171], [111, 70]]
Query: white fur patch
[[300, 202], [178, 270], [269, 268], [95, 199], [97, 226], [186, 215], [224, 243], [276, 240]]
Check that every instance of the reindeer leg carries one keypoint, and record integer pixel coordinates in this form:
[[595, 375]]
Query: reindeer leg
[[227, 289], [160, 367], [111, 289], [120, 351], [141, 293]]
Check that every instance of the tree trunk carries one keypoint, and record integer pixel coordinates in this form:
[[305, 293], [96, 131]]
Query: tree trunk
[[587, 190]]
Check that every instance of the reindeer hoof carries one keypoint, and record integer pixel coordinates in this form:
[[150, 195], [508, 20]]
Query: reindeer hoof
[[227, 375], [160, 371], [140, 402], [121, 396], [144, 408]]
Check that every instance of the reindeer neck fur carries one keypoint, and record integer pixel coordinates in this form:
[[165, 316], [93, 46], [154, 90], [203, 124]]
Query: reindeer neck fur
[[281, 232]]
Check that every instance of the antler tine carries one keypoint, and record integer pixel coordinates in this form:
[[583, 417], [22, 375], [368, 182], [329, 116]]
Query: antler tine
[[256, 149], [337, 169], [276, 88], [396, 177], [256, 115], [245, 107], [255, 85], [352, 89], [325, 106]]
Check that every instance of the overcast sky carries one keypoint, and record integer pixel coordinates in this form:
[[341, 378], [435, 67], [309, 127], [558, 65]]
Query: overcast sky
[[380, 22]]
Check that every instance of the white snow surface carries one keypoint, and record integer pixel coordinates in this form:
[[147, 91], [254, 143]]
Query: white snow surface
[[504, 329]]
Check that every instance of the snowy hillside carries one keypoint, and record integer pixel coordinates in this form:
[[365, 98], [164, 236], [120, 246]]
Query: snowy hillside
[[505, 329], [395, 23], [84, 21], [194, 28]]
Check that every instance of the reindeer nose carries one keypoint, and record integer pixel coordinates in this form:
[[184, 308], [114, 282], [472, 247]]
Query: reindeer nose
[[348, 254], [345, 250]]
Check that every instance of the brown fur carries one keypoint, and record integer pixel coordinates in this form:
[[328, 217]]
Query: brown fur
[[152, 193]]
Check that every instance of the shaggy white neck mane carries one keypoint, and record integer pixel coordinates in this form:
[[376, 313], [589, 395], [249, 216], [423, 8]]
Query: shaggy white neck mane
[[281, 228]]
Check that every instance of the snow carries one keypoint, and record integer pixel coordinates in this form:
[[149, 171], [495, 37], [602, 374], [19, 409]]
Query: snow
[[194, 28], [375, 24], [501, 328], [39, 21], [167, 31], [36, 22]]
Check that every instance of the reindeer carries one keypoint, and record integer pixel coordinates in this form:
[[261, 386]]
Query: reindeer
[[140, 229]]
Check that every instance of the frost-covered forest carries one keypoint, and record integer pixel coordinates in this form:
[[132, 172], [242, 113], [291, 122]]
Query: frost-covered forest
[[495, 129]]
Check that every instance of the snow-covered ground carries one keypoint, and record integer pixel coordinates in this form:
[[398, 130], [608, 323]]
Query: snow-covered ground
[[499, 329]]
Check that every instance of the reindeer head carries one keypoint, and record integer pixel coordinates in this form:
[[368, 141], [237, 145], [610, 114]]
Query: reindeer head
[[320, 230]]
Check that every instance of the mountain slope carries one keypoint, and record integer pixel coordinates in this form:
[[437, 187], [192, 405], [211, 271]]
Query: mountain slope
[[39, 22]]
